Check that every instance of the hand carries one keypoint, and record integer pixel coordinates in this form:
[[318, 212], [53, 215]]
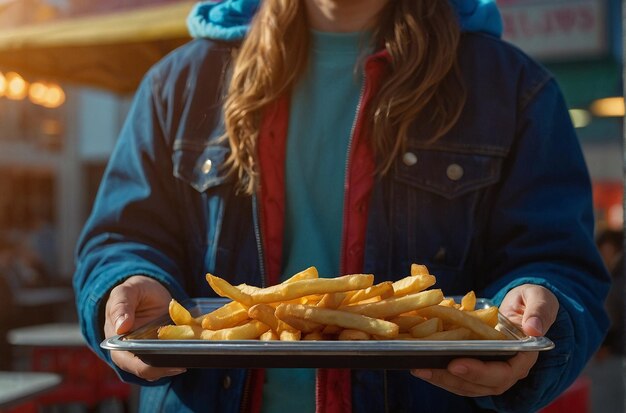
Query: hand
[[532, 307], [133, 303]]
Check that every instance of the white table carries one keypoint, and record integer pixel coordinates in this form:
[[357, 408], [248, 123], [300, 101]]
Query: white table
[[47, 335], [60, 347], [17, 387], [34, 297]]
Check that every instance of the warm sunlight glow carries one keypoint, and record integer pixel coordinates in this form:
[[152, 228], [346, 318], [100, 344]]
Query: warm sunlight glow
[[54, 96], [3, 84], [608, 107], [17, 88], [37, 92]]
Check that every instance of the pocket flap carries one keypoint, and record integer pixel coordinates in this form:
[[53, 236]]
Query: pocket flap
[[200, 166], [446, 173]]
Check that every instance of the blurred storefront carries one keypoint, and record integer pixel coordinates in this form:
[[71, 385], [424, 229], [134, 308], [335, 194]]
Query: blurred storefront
[[67, 71], [580, 42]]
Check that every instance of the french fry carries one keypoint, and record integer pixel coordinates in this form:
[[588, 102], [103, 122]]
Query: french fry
[[248, 295], [265, 314], [339, 318], [179, 332], [394, 306], [426, 328], [229, 315], [460, 333], [384, 290], [331, 330], [418, 269], [356, 335], [400, 336], [269, 335], [468, 302], [370, 300], [224, 289], [331, 300], [411, 313], [413, 284], [462, 319], [314, 336], [406, 322], [308, 274], [248, 331], [448, 302], [312, 299], [487, 315], [180, 315], [299, 324], [290, 335]]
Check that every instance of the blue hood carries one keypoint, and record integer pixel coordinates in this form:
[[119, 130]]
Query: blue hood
[[228, 20]]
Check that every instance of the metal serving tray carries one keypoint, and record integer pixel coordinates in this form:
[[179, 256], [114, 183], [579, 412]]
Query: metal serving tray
[[386, 354]]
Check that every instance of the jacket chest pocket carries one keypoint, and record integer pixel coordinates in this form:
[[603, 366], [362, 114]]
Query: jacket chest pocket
[[199, 165], [217, 220], [202, 185], [436, 193]]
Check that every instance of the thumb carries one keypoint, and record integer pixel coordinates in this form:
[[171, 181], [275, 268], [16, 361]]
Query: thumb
[[541, 307], [121, 308], [124, 323]]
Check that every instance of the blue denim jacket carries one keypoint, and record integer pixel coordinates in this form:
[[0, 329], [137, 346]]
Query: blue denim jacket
[[503, 199]]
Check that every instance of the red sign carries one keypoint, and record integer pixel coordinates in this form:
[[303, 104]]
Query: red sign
[[556, 28], [608, 199]]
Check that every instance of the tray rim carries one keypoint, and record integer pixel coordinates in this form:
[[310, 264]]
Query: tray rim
[[390, 348]]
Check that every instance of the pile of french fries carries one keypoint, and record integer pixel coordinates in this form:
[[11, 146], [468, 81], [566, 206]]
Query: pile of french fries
[[351, 307]]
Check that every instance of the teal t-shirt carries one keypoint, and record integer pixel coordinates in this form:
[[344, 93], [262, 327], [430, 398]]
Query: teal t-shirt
[[322, 113]]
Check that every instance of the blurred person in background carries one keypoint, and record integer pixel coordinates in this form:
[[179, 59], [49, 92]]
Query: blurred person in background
[[356, 136], [20, 270], [611, 245]]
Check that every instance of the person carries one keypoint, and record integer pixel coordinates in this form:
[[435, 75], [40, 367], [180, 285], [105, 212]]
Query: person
[[356, 136], [610, 243]]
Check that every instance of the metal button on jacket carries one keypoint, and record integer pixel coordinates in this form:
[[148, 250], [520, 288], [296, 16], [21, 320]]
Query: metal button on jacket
[[454, 172], [206, 166], [226, 382], [409, 159]]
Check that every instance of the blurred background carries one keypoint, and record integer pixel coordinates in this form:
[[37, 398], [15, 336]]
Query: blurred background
[[68, 69]]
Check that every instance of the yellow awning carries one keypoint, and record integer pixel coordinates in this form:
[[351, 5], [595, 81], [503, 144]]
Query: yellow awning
[[110, 51]]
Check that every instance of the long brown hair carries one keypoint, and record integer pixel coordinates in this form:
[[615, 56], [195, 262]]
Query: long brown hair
[[421, 37]]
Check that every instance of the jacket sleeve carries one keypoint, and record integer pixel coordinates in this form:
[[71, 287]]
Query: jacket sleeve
[[541, 232], [132, 229]]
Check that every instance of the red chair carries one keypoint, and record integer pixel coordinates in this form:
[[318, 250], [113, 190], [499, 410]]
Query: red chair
[[573, 400], [27, 407], [86, 378]]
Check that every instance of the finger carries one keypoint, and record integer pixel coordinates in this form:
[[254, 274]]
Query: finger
[[474, 378], [109, 330], [489, 375], [540, 312], [447, 381], [120, 308], [132, 364], [522, 363], [498, 375]]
